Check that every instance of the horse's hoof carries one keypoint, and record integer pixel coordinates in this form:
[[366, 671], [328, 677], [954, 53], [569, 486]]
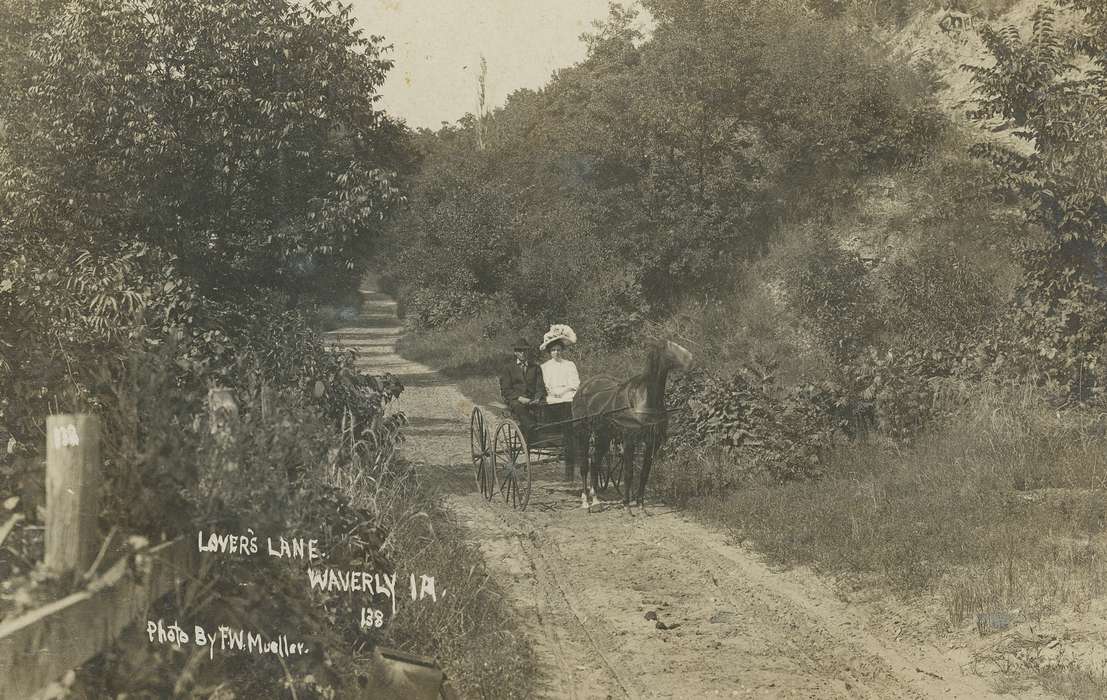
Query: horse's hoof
[[583, 501]]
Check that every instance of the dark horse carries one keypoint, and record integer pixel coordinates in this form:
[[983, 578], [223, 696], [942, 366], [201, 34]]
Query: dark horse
[[635, 409]]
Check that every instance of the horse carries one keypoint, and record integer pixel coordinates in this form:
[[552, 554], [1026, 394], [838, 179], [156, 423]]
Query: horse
[[635, 408]]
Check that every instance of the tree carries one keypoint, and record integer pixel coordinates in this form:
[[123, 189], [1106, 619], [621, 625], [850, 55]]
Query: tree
[[1059, 173], [242, 138], [655, 165], [161, 161]]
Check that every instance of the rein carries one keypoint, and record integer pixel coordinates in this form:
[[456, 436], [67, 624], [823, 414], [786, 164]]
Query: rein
[[628, 409]]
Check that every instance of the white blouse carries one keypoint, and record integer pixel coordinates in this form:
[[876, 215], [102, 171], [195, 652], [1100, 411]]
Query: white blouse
[[561, 380]]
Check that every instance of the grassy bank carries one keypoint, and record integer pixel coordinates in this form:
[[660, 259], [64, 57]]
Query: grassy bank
[[996, 514], [469, 629], [1000, 508], [462, 354]]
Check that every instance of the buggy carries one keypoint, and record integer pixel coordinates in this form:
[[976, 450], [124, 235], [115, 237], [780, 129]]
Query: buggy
[[504, 454]]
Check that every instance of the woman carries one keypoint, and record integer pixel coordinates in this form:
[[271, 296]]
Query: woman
[[562, 381]]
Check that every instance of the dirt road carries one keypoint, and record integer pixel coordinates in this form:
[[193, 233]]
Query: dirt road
[[583, 583]]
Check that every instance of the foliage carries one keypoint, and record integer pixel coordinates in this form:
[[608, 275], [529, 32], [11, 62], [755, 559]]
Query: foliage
[[784, 432], [1059, 179], [176, 181], [895, 389], [280, 345], [652, 167], [897, 13], [1094, 26], [938, 298], [1015, 86], [273, 475], [435, 308], [59, 320], [132, 124], [620, 309], [1055, 334], [830, 286], [768, 429], [268, 469], [161, 163]]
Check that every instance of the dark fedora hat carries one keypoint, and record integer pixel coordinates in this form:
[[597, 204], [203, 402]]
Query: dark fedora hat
[[521, 343]]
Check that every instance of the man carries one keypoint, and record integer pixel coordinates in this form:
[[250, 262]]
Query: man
[[521, 384]]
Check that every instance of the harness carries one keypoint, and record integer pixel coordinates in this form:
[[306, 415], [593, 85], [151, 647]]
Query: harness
[[601, 397]]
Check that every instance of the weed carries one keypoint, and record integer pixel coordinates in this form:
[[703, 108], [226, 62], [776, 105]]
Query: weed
[[998, 508]]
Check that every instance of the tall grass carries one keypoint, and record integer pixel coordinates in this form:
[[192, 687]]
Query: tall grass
[[1001, 507], [469, 629]]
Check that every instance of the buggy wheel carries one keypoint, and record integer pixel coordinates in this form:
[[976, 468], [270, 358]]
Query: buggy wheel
[[482, 457], [511, 458]]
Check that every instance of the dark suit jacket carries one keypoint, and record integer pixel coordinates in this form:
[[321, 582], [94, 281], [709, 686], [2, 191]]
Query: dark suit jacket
[[515, 381]]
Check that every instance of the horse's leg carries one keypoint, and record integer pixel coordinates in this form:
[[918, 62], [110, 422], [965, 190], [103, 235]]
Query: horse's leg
[[647, 462], [649, 449], [594, 466], [580, 444], [602, 445], [595, 482], [577, 452], [583, 457], [629, 446]]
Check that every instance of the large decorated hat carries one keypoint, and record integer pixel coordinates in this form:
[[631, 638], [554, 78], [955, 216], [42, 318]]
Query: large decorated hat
[[558, 331]]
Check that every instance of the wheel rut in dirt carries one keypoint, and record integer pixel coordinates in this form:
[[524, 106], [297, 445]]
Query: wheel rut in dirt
[[652, 605]]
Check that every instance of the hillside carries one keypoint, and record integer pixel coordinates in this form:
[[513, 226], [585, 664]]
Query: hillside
[[943, 41]]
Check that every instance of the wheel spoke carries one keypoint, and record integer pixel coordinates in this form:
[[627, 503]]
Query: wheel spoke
[[478, 446], [511, 457]]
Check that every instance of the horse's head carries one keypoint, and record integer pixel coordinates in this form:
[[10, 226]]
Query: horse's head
[[676, 355]]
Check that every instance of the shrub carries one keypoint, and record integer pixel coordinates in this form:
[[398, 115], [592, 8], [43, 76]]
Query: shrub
[[437, 308], [830, 286], [276, 467], [895, 389], [1059, 113], [937, 298], [100, 88], [1058, 331], [612, 309], [767, 429]]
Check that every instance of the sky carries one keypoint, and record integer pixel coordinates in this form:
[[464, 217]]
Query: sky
[[437, 45]]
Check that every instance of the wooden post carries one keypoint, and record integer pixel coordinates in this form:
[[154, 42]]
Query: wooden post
[[72, 491]]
